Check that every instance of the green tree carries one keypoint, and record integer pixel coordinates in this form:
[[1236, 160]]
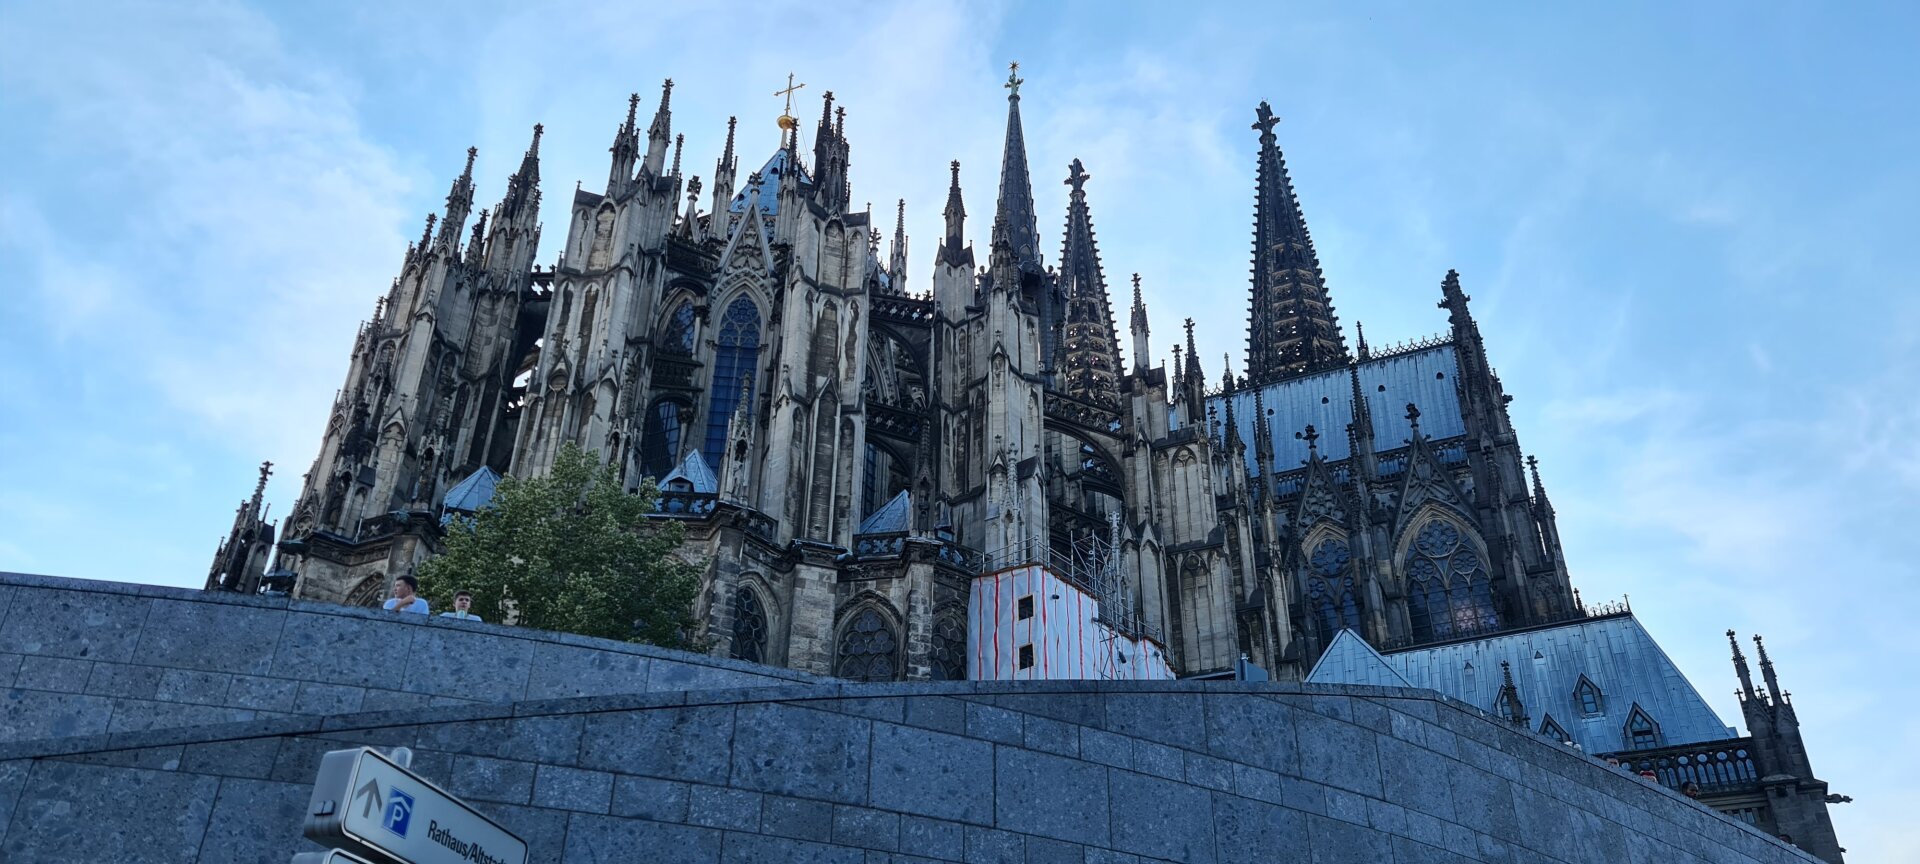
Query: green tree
[[570, 551]]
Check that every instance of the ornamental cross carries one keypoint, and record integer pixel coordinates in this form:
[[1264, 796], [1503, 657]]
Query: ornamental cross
[[1013, 79], [789, 93]]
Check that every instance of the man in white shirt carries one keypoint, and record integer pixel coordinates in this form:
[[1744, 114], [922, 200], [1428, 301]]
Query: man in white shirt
[[462, 601], [405, 597]]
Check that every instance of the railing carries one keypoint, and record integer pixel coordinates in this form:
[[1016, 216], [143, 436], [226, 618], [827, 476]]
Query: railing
[[686, 503], [1716, 766], [1468, 632], [672, 372]]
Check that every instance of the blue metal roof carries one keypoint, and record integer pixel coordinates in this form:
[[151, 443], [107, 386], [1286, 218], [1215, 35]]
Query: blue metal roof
[[1423, 378], [770, 175], [1615, 653], [1350, 660], [693, 474], [473, 493], [891, 517]]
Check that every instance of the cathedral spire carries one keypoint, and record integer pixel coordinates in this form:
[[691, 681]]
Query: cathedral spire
[[523, 188], [1232, 437], [625, 149], [1092, 357], [724, 171], [1740, 667], [1766, 671], [1141, 356], [459, 204], [897, 261], [1360, 337], [1539, 490], [830, 158], [660, 131], [1291, 327], [956, 214], [1013, 218]]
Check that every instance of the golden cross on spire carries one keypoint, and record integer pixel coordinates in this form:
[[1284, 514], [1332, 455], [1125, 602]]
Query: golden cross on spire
[[1013, 79], [786, 114]]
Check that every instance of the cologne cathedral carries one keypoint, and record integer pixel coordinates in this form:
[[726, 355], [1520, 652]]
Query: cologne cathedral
[[890, 474]]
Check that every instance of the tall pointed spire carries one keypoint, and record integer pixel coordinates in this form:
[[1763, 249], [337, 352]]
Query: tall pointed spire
[[1360, 337], [955, 242], [1092, 357], [1766, 670], [1013, 219], [1740, 666], [1539, 489], [625, 149], [1291, 327], [724, 170], [897, 261], [1142, 358], [459, 204], [523, 188], [660, 131]]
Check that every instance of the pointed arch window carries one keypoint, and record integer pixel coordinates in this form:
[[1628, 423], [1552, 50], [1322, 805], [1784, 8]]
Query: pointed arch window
[[1448, 590], [868, 649], [1642, 732], [1552, 729], [949, 649], [678, 338], [1331, 598], [661, 440], [737, 345], [1588, 696], [749, 626]]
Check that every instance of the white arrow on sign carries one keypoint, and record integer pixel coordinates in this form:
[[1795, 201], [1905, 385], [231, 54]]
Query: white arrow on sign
[[366, 803]]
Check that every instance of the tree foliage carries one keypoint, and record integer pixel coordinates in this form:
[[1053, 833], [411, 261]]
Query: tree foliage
[[570, 551]]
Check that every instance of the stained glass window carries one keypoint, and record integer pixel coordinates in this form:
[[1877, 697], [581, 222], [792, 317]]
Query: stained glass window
[[738, 345], [679, 336], [660, 443], [949, 650], [749, 627], [1331, 597], [868, 649], [1448, 590]]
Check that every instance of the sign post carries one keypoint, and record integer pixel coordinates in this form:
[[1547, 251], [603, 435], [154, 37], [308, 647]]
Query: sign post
[[367, 804]]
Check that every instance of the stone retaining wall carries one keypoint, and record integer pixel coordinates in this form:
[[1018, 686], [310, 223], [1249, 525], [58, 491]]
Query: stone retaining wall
[[83, 658], [1082, 772]]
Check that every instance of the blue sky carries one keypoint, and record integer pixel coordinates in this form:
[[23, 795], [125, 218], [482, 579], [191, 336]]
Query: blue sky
[[1688, 233]]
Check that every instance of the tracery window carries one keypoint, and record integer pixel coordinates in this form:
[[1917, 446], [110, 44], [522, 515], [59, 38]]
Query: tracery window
[[738, 344], [1331, 597], [660, 442], [949, 650], [868, 649], [1642, 732], [1448, 590], [679, 335], [749, 627]]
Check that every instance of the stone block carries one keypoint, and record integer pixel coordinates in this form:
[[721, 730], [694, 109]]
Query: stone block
[[665, 674], [1250, 832], [1337, 842], [800, 751], [1409, 851], [85, 625], [201, 688], [1051, 796], [544, 830], [932, 774], [606, 838], [1043, 851], [318, 698], [56, 674], [484, 779], [760, 848], [466, 665], [890, 709], [1160, 818], [250, 758], [932, 838], [1209, 772], [991, 846], [336, 649], [796, 818], [866, 828], [1079, 709], [1347, 807], [674, 744], [563, 671], [393, 700], [1173, 717], [1158, 760], [1483, 801], [135, 715], [63, 806], [1337, 753], [1384, 816], [212, 637], [558, 787], [720, 807], [9, 668], [255, 820], [1109, 856], [1106, 748], [264, 694], [1252, 730], [937, 712], [124, 681], [1258, 783], [1051, 736], [13, 776], [647, 798], [993, 724]]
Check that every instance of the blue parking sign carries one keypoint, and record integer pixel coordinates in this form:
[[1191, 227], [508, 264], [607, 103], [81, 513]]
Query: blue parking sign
[[399, 811]]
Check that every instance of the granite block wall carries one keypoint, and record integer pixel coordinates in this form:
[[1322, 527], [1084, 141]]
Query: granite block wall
[[1080, 772], [87, 658]]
